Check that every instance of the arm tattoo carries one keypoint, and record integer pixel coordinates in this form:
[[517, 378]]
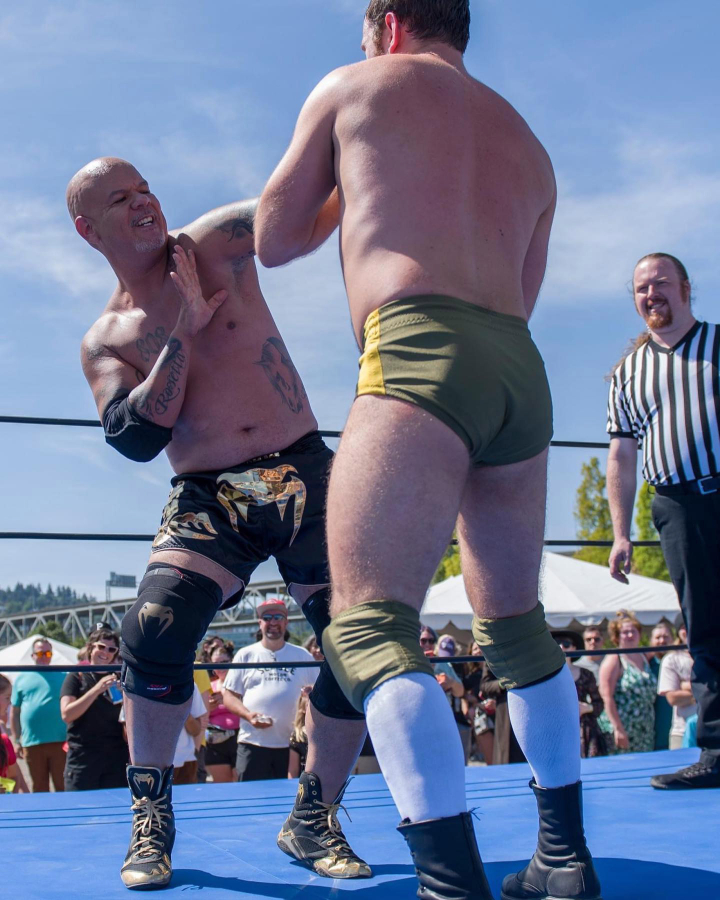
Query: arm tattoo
[[279, 368], [151, 344], [141, 401], [239, 227], [175, 361]]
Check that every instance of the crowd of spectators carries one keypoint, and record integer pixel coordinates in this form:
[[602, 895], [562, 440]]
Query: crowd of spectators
[[248, 724]]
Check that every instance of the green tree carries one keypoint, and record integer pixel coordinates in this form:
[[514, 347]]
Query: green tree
[[647, 560], [52, 630], [592, 513], [449, 564]]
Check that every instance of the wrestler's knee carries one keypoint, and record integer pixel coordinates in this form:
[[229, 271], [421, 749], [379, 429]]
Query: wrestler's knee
[[316, 610], [520, 649], [371, 643], [328, 698], [161, 631]]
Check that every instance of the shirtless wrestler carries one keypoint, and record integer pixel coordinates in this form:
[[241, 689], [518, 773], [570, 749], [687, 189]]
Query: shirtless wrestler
[[211, 382], [446, 204]]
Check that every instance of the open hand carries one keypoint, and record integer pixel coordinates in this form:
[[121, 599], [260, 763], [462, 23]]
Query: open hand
[[195, 311], [620, 559], [254, 721], [622, 742]]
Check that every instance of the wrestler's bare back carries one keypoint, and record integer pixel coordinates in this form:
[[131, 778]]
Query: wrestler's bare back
[[244, 397], [444, 188]]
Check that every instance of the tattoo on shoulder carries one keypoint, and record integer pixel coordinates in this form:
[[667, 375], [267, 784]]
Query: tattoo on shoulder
[[239, 227], [151, 344], [279, 368]]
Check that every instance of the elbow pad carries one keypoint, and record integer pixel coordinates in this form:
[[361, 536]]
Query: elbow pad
[[129, 433]]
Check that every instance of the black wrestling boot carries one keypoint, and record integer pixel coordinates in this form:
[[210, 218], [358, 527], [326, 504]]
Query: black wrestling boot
[[702, 774], [147, 865], [312, 834], [562, 868], [446, 858]]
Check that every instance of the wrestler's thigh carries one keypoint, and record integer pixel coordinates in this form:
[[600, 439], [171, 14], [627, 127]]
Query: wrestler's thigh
[[501, 529], [395, 489], [196, 562]]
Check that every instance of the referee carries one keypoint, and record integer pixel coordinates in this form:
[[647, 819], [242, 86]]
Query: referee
[[665, 397]]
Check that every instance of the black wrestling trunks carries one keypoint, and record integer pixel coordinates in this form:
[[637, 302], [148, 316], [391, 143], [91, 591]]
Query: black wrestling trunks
[[240, 516]]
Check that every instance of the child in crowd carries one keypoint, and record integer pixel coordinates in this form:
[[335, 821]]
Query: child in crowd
[[11, 776], [298, 738]]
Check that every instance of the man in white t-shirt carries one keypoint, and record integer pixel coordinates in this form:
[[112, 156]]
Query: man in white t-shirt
[[674, 685], [266, 700]]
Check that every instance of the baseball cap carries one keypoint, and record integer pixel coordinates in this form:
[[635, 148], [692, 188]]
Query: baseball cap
[[446, 645], [272, 605]]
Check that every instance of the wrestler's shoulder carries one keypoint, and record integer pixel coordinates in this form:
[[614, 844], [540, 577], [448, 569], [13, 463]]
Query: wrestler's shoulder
[[226, 232], [110, 331]]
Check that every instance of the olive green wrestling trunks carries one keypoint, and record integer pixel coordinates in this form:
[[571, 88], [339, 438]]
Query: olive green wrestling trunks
[[476, 370]]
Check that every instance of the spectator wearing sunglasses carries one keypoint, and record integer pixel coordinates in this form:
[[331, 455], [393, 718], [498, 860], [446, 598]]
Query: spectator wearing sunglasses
[[592, 640], [266, 699], [90, 706], [592, 740], [38, 731]]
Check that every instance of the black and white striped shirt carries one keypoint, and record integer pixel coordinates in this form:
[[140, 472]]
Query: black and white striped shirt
[[668, 399]]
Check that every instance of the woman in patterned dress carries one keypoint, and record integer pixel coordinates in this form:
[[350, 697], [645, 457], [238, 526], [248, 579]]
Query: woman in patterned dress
[[628, 688]]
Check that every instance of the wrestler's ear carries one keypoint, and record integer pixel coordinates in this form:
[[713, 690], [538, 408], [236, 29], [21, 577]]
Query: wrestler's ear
[[84, 228], [395, 29]]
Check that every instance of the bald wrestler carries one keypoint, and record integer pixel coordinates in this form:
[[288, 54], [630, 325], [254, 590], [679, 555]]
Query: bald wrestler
[[446, 200], [186, 358]]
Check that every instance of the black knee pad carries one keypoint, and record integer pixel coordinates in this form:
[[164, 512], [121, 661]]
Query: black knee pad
[[161, 631], [327, 696]]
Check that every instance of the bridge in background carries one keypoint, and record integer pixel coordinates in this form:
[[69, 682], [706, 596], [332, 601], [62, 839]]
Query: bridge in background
[[76, 621]]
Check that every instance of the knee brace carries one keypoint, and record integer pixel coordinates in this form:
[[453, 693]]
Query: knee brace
[[161, 631], [520, 650], [371, 643], [326, 696]]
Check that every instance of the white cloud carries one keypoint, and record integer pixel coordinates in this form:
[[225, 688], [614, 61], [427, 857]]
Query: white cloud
[[38, 242], [668, 198]]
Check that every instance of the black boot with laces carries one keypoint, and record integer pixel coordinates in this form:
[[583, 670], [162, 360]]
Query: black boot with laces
[[703, 774], [312, 834], [147, 865]]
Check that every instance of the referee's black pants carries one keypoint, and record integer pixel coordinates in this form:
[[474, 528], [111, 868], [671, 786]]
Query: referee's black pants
[[689, 527]]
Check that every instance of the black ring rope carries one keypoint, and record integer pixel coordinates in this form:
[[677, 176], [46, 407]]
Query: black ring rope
[[95, 423], [80, 536], [309, 664]]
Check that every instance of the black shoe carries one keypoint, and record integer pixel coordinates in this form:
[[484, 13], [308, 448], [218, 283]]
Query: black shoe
[[147, 865], [562, 868], [312, 834], [699, 775], [446, 858]]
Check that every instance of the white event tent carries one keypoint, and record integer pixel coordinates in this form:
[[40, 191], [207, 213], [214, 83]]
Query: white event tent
[[570, 589], [20, 654]]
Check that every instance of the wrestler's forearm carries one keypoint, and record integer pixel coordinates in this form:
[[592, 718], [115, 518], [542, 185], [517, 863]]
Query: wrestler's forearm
[[621, 487], [327, 221], [160, 396]]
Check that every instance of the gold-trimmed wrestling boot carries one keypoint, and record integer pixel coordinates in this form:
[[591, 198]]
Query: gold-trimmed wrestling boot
[[147, 865], [312, 834]]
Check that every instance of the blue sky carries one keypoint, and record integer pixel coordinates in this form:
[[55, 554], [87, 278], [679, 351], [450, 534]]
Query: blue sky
[[202, 98]]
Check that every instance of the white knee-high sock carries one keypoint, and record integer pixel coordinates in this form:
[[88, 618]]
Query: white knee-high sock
[[546, 720], [418, 747]]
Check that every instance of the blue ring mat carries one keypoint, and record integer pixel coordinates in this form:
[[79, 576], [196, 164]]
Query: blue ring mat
[[646, 843]]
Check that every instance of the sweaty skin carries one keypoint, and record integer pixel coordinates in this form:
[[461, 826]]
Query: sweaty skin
[[243, 396], [472, 190]]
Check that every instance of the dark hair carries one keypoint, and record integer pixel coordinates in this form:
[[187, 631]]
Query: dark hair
[[4, 685], [443, 20]]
